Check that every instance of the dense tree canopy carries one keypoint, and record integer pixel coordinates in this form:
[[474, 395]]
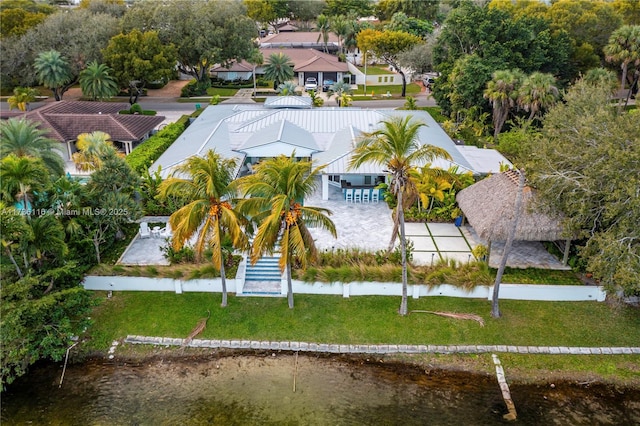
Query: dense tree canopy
[[204, 33], [138, 58], [499, 40], [78, 35], [585, 164], [388, 46]]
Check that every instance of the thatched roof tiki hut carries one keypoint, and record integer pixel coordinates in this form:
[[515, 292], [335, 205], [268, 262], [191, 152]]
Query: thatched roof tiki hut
[[489, 206]]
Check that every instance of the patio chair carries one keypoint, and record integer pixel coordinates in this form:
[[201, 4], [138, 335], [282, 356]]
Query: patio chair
[[357, 196], [375, 195], [166, 232], [348, 195], [365, 195], [144, 230]]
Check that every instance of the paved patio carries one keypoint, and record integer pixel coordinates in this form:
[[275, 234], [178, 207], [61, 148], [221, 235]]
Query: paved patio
[[368, 226]]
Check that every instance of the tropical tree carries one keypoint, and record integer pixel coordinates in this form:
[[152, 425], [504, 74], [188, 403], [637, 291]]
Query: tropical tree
[[275, 195], [278, 68], [54, 72], [48, 244], [22, 138], [624, 47], [97, 82], [388, 47], [138, 58], [21, 98], [537, 92], [502, 93], [256, 59], [287, 88], [20, 177], [323, 25], [92, 148], [396, 146], [340, 25], [209, 212], [602, 77], [14, 233]]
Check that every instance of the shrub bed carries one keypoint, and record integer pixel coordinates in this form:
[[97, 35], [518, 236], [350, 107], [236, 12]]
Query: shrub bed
[[150, 150]]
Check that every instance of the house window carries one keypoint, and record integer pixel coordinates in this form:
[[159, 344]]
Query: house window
[[391, 79], [386, 79], [367, 180], [379, 79]]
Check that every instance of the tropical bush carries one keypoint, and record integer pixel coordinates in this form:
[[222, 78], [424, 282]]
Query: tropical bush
[[143, 156]]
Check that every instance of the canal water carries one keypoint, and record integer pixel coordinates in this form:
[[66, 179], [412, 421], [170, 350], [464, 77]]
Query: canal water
[[282, 390]]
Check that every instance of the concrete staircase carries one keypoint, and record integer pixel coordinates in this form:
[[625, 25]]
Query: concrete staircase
[[262, 279]]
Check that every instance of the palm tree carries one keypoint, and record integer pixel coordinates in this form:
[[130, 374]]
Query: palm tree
[[256, 59], [21, 98], [97, 83], [287, 89], [92, 148], [277, 190], [537, 92], [624, 47], [54, 72], [48, 241], [278, 68], [341, 27], [207, 183], [22, 138], [323, 26], [602, 77], [14, 233], [20, 176], [397, 147], [502, 92]]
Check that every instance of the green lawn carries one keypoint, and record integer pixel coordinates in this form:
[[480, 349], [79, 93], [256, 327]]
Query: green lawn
[[378, 91], [212, 91], [362, 320], [374, 69]]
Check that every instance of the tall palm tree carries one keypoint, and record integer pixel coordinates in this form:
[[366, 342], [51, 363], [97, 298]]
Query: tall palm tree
[[210, 214], [278, 68], [22, 138], [341, 27], [277, 190], [502, 92], [92, 148], [256, 59], [396, 146], [97, 82], [54, 72], [624, 47], [323, 26], [20, 176], [537, 92], [21, 98]]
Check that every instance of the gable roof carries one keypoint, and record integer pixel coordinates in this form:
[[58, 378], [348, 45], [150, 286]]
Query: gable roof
[[297, 39], [242, 66], [308, 60], [65, 120]]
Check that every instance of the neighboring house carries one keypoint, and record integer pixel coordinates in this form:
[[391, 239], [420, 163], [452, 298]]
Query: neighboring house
[[284, 125], [65, 120], [242, 70], [311, 63]]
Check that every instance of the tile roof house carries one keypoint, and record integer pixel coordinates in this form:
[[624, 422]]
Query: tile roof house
[[310, 63], [65, 120], [300, 40], [327, 136]]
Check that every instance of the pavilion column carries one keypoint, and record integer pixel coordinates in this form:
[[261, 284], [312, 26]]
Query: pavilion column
[[565, 258], [325, 187]]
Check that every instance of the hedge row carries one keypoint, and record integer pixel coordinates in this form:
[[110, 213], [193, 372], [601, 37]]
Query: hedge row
[[143, 156]]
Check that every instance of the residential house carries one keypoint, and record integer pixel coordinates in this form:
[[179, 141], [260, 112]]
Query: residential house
[[327, 136]]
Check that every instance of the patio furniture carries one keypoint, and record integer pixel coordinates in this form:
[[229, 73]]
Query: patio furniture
[[357, 196], [166, 232], [144, 230], [365, 195], [155, 232], [375, 195], [348, 195]]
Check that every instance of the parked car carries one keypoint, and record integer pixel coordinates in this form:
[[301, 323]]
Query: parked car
[[428, 82], [311, 84], [326, 85]]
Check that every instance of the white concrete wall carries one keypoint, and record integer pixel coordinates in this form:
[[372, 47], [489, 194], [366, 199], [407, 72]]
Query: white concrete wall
[[507, 291]]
